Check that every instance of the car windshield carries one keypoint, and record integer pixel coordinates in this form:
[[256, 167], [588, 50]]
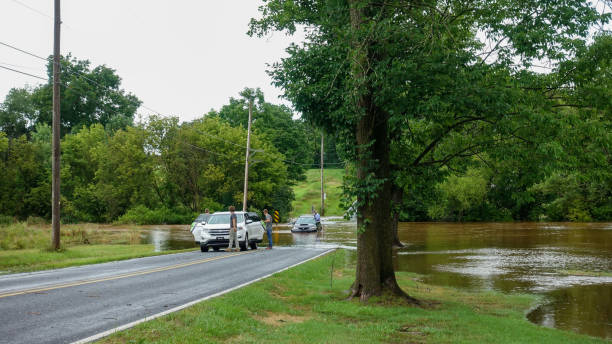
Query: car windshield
[[202, 218], [223, 219], [306, 220]]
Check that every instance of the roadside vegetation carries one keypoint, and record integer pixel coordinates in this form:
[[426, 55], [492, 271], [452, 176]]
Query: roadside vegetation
[[308, 192], [25, 247], [300, 306]]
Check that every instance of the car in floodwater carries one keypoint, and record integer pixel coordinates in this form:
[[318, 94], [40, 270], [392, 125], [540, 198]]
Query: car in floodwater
[[215, 232], [304, 223], [197, 225]]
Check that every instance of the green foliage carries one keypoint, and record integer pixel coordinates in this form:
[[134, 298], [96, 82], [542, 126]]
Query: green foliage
[[142, 215], [460, 194], [297, 141], [88, 96], [451, 81], [158, 171], [17, 112]]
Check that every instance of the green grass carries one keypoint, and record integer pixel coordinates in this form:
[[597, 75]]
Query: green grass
[[24, 236], [299, 306], [25, 247], [308, 192], [26, 260]]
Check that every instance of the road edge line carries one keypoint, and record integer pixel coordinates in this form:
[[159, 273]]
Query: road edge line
[[189, 304]]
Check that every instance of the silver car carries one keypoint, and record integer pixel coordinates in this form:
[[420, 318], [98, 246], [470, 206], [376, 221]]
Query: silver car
[[304, 223], [215, 233]]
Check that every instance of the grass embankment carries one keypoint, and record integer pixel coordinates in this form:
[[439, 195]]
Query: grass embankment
[[308, 192], [299, 306], [25, 247]]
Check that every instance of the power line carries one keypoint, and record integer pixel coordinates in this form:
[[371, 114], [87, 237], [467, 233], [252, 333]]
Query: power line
[[23, 51], [33, 9], [24, 73], [81, 74], [20, 66]]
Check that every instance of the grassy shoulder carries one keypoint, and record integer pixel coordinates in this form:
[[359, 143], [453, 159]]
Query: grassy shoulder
[[300, 306], [24, 247], [26, 260], [308, 192]]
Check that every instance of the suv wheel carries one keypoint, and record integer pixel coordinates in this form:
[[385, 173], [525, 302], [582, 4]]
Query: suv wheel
[[253, 245], [244, 245], [203, 248], [216, 248]]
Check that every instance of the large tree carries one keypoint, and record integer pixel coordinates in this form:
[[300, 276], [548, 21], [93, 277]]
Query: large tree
[[458, 69], [88, 95]]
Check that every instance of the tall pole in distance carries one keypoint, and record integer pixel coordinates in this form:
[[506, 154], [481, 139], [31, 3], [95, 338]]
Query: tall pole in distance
[[55, 161], [322, 191], [246, 160]]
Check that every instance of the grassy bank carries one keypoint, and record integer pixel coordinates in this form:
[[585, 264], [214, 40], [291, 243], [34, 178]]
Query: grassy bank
[[308, 192], [25, 247], [26, 260], [299, 306]]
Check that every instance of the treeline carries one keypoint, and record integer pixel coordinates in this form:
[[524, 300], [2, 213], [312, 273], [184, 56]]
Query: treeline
[[153, 171], [533, 165]]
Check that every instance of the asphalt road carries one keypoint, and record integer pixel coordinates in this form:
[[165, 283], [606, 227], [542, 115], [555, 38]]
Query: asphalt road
[[68, 305]]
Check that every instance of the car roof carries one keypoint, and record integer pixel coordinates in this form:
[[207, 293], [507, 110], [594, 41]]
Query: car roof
[[227, 212], [306, 215]]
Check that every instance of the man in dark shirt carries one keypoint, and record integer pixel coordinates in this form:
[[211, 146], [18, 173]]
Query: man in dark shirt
[[233, 230], [268, 221]]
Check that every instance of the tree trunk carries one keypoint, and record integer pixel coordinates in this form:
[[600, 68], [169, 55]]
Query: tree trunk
[[375, 274], [397, 197]]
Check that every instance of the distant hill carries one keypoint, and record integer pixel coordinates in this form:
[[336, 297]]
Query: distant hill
[[308, 192]]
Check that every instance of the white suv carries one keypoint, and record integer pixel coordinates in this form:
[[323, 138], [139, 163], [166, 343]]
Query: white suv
[[215, 232]]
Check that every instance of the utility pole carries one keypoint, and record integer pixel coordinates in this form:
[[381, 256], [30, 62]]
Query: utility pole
[[246, 160], [322, 191], [55, 160]]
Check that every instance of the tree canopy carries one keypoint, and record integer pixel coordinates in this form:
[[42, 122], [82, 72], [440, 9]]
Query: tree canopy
[[411, 86]]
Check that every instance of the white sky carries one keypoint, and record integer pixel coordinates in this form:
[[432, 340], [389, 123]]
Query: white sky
[[180, 57]]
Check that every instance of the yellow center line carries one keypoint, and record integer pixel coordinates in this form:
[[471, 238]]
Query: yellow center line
[[115, 277]]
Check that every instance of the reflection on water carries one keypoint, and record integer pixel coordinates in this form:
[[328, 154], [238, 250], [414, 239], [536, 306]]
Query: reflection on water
[[577, 308], [561, 261], [168, 237]]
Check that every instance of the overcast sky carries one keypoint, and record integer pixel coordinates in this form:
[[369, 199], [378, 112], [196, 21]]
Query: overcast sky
[[180, 57]]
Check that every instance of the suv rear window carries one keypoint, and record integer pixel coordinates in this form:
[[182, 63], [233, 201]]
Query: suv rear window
[[223, 219]]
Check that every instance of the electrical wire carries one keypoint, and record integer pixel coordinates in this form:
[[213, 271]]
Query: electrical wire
[[81, 74], [24, 73], [23, 51], [33, 9]]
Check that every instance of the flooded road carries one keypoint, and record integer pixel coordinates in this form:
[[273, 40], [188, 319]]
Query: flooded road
[[568, 264]]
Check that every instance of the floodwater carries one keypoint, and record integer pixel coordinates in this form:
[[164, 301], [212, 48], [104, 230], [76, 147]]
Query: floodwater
[[568, 264]]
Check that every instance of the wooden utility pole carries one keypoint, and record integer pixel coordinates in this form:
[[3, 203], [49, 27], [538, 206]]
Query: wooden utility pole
[[322, 191], [246, 160], [55, 161]]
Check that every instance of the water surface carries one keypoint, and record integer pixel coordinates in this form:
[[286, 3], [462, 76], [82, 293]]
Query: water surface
[[569, 265]]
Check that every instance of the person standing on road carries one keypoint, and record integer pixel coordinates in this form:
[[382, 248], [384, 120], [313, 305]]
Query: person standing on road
[[317, 218], [268, 221], [233, 229]]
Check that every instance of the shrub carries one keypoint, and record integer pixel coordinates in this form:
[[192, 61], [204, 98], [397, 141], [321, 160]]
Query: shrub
[[142, 215], [6, 220]]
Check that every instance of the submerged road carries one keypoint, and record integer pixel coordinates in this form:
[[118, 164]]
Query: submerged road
[[74, 304]]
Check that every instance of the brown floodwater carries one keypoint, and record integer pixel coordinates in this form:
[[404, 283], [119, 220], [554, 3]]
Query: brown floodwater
[[568, 264]]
